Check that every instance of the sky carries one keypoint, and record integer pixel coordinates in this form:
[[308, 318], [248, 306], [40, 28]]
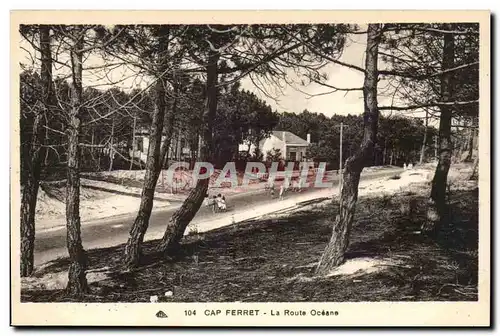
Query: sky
[[289, 99], [335, 103]]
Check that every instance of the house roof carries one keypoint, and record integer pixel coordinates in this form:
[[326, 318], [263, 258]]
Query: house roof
[[289, 138]]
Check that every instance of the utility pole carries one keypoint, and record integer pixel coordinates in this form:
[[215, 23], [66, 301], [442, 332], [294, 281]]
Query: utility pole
[[133, 144], [111, 148], [340, 164], [199, 148]]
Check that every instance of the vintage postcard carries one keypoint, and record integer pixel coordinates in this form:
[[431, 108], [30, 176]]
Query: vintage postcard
[[250, 168]]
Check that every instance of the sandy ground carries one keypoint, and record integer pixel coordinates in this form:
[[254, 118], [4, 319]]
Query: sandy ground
[[387, 185], [94, 204], [105, 203], [407, 180], [277, 207], [126, 189], [180, 177], [112, 199], [101, 199]]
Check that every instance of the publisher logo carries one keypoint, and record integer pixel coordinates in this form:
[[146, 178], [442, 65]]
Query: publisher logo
[[161, 314]]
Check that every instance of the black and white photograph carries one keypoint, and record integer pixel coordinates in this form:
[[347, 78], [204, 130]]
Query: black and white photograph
[[250, 168]]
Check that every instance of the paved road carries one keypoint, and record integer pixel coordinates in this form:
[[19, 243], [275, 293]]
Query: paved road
[[50, 244]]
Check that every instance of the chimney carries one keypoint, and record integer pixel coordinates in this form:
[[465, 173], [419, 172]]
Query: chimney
[[308, 138], [284, 136]]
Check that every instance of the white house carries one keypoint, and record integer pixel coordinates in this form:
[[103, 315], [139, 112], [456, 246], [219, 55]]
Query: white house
[[291, 146], [179, 148]]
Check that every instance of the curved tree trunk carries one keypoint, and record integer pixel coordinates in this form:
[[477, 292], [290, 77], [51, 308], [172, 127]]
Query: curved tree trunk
[[183, 216], [77, 281], [156, 156], [153, 163], [339, 241], [28, 206], [33, 162], [141, 223], [437, 207]]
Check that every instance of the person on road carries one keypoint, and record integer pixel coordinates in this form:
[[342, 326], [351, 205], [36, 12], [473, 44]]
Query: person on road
[[221, 202], [224, 204], [210, 203], [282, 191], [214, 204]]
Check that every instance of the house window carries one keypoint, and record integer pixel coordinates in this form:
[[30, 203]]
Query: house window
[[139, 145], [292, 156]]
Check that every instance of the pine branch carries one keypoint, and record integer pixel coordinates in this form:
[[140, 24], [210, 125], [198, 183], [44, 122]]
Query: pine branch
[[433, 30], [414, 107], [426, 76], [334, 87]]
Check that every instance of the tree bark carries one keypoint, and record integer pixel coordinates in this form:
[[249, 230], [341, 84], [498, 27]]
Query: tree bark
[[339, 241], [133, 247], [77, 281], [33, 162], [153, 164], [424, 142], [437, 207], [183, 216]]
